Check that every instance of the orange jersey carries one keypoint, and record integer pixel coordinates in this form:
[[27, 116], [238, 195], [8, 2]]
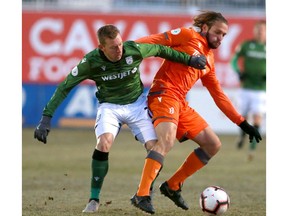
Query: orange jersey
[[178, 79]]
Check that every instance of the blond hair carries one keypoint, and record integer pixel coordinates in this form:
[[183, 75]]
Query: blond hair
[[107, 31]]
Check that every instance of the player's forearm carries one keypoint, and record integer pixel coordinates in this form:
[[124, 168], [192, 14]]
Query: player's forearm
[[55, 101], [173, 55], [224, 103]]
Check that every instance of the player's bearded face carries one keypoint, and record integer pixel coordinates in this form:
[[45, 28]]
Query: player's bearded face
[[213, 40], [215, 34], [113, 49]]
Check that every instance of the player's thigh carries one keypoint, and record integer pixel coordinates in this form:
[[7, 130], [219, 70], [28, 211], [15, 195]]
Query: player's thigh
[[140, 123], [107, 121], [190, 124], [164, 108], [143, 131]]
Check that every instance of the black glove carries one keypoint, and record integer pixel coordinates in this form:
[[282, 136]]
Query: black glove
[[242, 76], [42, 130], [198, 62], [252, 131]]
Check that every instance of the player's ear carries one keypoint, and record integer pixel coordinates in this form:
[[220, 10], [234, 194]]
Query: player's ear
[[101, 47], [204, 29]]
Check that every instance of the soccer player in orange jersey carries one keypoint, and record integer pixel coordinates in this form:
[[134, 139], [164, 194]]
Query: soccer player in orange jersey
[[174, 119]]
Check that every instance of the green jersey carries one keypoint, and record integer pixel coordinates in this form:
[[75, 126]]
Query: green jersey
[[116, 82], [253, 75]]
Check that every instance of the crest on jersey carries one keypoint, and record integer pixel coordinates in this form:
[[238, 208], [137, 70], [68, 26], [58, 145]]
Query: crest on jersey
[[129, 60], [175, 31], [74, 71]]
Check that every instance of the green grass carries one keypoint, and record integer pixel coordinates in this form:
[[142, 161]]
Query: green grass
[[56, 176]]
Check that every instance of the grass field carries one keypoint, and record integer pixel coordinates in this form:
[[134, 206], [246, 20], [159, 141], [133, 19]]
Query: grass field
[[56, 176]]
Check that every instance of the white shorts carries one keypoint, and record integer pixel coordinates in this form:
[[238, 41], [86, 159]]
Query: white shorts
[[110, 118], [252, 102]]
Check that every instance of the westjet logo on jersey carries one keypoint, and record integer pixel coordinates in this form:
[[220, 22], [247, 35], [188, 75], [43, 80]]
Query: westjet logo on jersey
[[119, 75]]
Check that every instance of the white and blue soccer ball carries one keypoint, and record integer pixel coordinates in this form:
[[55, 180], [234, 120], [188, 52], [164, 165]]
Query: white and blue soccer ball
[[214, 200]]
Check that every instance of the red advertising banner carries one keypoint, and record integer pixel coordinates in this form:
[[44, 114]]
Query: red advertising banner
[[54, 42]]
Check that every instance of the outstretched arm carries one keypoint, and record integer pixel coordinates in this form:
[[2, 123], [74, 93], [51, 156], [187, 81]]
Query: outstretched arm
[[225, 105], [42, 130], [148, 50]]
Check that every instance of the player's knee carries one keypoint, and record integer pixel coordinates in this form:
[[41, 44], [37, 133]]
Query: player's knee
[[150, 144], [162, 147], [218, 145], [215, 147], [104, 143], [212, 147], [165, 145]]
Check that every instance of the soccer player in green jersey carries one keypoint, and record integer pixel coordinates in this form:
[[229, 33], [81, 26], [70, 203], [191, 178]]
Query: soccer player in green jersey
[[252, 74], [114, 67]]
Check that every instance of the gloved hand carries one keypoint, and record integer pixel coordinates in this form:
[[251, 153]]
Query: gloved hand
[[198, 62], [42, 130], [242, 76], [252, 131]]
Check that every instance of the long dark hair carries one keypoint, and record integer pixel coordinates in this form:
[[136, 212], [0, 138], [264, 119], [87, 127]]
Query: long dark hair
[[208, 18]]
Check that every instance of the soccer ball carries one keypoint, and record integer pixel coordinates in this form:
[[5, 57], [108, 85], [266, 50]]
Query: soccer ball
[[214, 200]]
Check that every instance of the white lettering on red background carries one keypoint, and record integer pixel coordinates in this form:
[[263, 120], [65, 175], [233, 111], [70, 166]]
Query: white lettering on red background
[[78, 37], [58, 44]]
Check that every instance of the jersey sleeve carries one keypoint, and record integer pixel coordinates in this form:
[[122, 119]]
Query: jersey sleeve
[[77, 75], [148, 50], [154, 39], [173, 37], [222, 101]]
